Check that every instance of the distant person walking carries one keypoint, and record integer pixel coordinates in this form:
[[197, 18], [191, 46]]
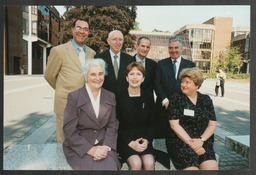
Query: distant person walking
[[63, 71], [221, 76]]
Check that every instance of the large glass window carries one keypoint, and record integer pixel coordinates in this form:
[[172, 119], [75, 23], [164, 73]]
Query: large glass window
[[25, 25], [43, 23]]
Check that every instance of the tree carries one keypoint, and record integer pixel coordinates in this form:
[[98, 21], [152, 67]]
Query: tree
[[101, 20], [229, 60], [136, 26]]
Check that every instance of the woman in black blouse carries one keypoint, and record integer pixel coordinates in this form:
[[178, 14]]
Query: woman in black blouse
[[135, 112], [193, 120]]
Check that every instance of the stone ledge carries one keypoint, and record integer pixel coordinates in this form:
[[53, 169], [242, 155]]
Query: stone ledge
[[239, 144]]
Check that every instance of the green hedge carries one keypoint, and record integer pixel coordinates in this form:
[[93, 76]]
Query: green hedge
[[228, 75]]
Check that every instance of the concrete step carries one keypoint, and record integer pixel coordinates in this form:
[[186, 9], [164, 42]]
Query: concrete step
[[239, 143]]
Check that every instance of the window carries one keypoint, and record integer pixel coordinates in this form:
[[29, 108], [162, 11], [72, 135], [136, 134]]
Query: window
[[25, 26]]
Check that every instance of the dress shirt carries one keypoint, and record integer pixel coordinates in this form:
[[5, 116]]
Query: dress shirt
[[76, 46], [112, 57], [143, 62], [95, 103]]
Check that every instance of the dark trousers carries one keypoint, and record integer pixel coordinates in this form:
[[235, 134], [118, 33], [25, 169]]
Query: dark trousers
[[221, 87]]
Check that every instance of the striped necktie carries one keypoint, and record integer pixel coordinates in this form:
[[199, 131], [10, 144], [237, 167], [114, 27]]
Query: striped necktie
[[115, 66], [174, 67], [81, 55]]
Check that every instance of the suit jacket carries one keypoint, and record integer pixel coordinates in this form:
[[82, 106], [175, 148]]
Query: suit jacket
[[165, 81], [82, 128], [111, 83], [149, 80], [63, 72]]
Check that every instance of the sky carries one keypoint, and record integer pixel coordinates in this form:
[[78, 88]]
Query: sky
[[171, 18]]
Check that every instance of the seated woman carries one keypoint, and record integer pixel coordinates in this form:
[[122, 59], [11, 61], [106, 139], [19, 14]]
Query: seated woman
[[135, 113], [193, 120], [90, 125]]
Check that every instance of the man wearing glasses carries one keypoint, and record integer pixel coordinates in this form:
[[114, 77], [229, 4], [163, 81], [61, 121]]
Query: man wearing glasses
[[117, 62], [63, 71]]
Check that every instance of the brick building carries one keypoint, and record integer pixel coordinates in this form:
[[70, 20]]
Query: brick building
[[13, 53], [26, 51]]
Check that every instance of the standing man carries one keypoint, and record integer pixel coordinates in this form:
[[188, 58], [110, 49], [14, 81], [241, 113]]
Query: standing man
[[117, 61], [142, 48], [167, 82], [221, 77], [63, 71]]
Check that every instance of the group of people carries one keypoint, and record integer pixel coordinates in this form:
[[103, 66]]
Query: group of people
[[105, 109]]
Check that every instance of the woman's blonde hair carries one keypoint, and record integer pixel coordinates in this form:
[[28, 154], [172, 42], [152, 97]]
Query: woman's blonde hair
[[194, 74]]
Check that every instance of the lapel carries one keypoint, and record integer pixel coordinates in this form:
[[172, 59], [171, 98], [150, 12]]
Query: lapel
[[147, 66], [105, 104], [170, 71], [122, 68], [84, 103], [110, 65], [182, 66], [70, 51]]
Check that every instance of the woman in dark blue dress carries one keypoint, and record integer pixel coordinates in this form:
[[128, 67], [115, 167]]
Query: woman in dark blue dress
[[193, 120], [135, 112]]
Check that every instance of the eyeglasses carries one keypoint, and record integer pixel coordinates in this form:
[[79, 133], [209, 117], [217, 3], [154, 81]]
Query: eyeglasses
[[79, 28]]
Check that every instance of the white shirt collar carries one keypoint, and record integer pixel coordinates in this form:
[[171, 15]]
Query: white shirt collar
[[140, 61], [178, 60], [112, 57], [95, 103]]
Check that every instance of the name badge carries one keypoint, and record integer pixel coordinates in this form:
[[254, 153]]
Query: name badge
[[189, 112]]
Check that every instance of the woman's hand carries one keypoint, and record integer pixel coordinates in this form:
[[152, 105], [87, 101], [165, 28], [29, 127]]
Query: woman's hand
[[200, 151], [196, 143], [98, 152], [197, 146], [139, 145]]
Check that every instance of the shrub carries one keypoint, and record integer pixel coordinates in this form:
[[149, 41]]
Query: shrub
[[228, 75]]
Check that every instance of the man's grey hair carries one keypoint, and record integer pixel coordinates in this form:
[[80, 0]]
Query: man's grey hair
[[176, 38], [93, 62], [110, 33]]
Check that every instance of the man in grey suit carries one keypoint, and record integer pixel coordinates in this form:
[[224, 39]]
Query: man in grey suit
[[167, 82], [63, 71], [117, 61]]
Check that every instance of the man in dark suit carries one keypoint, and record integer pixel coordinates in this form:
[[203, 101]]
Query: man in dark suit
[[142, 48], [167, 82], [117, 61]]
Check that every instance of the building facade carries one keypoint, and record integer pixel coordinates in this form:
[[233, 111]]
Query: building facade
[[207, 39], [13, 53], [243, 42], [201, 41], [26, 50]]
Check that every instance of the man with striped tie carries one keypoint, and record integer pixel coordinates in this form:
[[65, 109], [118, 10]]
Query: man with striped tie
[[117, 61]]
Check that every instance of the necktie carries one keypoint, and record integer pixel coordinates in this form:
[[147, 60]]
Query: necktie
[[81, 55], [174, 67], [115, 66]]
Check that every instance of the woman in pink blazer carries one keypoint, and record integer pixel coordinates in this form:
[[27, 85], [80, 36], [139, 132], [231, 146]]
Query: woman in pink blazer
[[90, 125]]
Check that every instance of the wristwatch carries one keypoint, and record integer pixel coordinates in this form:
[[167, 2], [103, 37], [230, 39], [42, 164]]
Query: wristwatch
[[203, 139]]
